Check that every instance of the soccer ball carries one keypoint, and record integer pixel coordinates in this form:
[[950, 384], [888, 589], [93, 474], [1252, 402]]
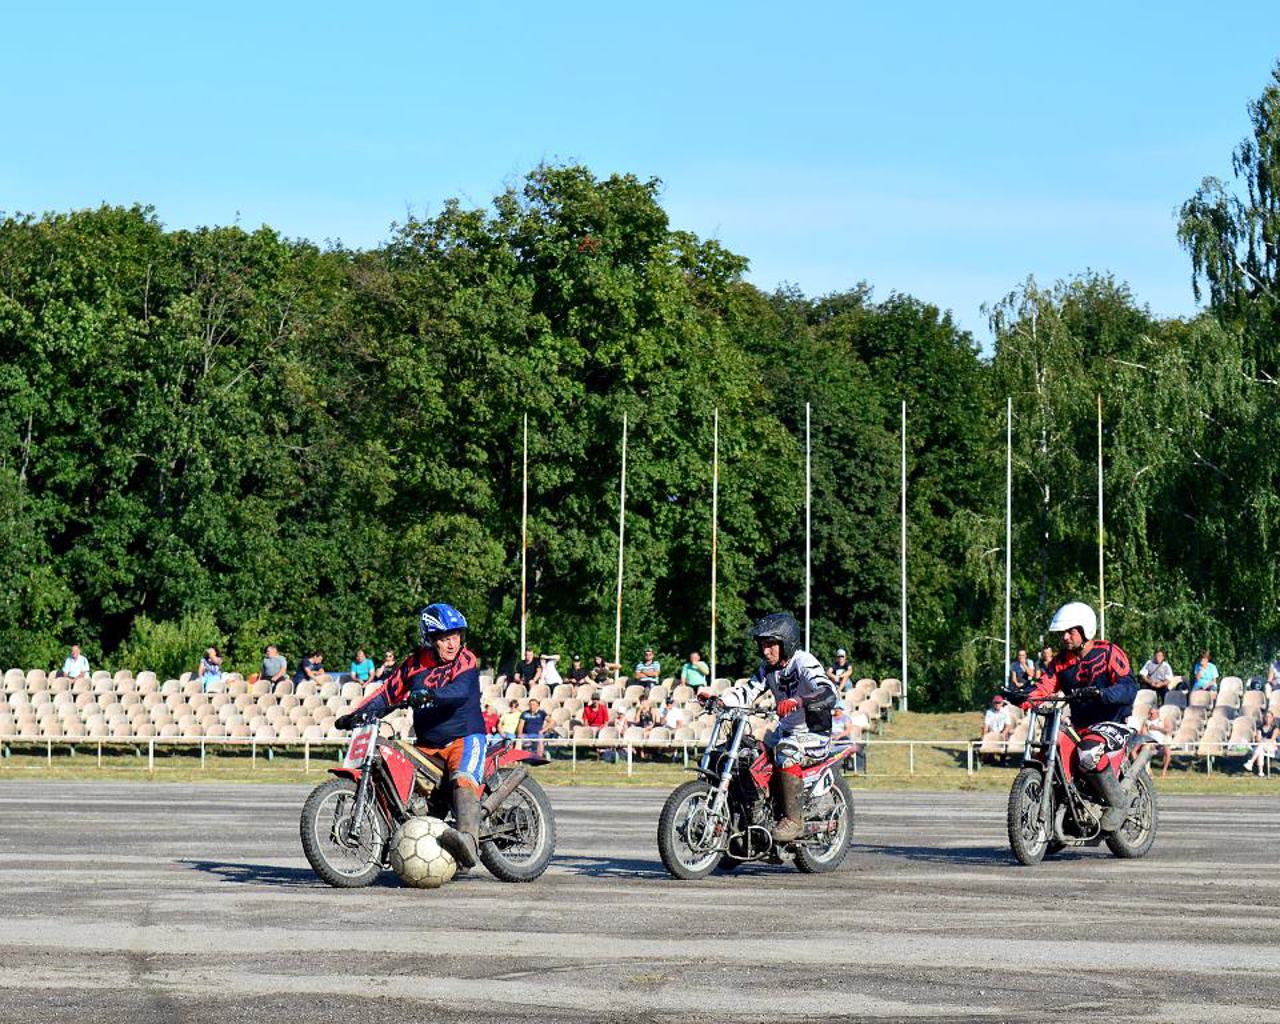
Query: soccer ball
[[417, 857]]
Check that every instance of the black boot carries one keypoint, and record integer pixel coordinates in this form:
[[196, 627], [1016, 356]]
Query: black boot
[[1107, 786], [462, 841], [788, 797]]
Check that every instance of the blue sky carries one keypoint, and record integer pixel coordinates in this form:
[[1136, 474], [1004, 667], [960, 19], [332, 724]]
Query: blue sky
[[924, 148]]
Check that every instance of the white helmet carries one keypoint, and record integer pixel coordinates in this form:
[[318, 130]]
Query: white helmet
[[1075, 613]]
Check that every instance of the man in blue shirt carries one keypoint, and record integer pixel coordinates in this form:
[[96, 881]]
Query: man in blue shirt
[[648, 671], [362, 667], [532, 724]]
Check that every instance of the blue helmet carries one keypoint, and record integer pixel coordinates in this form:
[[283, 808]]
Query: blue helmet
[[439, 618]]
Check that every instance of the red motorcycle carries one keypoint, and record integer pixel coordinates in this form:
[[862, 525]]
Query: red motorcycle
[[1049, 809], [725, 818], [348, 821]]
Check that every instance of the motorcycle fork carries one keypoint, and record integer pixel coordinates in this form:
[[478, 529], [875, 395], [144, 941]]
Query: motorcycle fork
[[1053, 770], [362, 794], [729, 763]]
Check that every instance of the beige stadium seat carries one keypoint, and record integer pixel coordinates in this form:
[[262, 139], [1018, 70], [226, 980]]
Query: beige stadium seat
[[267, 732], [122, 731], [244, 701], [187, 725], [313, 732], [328, 688], [215, 731], [490, 692], [236, 687], [123, 675], [515, 691], [287, 733], [1230, 689], [992, 744], [51, 728], [170, 686], [59, 684], [610, 693], [871, 708], [29, 729], [634, 693], [720, 685], [572, 705], [633, 735], [1145, 699], [240, 732], [306, 688], [66, 699], [97, 726], [1201, 699], [684, 736], [277, 715], [1241, 731], [192, 687], [36, 677], [297, 713], [583, 732], [41, 697], [130, 700], [228, 711], [351, 691], [145, 679], [185, 678], [259, 687], [659, 737], [288, 700], [101, 676], [608, 734], [563, 692], [1254, 700], [585, 691], [269, 700], [1171, 717], [540, 692], [15, 679], [658, 694], [892, 685], [682, 694]]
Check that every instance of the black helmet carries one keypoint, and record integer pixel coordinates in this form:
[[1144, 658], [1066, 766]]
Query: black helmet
[[780, 626]]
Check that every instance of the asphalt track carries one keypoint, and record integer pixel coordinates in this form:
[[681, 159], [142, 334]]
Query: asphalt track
[[157, 902]]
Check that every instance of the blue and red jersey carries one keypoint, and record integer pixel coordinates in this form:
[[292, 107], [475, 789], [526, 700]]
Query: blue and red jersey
[[454, 712], [1104, 666]]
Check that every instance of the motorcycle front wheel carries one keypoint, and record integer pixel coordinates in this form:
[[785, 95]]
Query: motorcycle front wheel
[[1028, 832], [1134, 838], [520, 835], [690, 837], [347, 862], [815, 857]]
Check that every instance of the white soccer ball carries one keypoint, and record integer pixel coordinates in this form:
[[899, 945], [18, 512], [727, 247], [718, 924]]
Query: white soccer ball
[[417, 857]]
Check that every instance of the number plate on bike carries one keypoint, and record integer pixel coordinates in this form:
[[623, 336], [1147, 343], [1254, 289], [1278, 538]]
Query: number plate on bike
[[361, 738]]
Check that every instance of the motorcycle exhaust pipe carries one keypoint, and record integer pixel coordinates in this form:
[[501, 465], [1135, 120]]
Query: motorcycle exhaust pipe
[[499, 796]]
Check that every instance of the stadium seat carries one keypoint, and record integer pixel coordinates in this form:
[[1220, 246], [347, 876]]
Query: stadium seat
[[236, 687], [1254, 700], [634, 693], [14, 679], [313, 732], [1241, 731], [659, 737], [328, 688], [585, 691], [539, 691], [563, 692], [216, 731], [287, 733], [260, 687], [267, 732], [583, 732], [682, 694], [515, 691], [1175, 699], [36, 677], [610, 693], [191, 687], [144, 731], [59, 684], [1201, 699], [658, 695]]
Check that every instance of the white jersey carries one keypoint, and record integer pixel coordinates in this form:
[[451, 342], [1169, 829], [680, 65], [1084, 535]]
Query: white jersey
[[803, 678]]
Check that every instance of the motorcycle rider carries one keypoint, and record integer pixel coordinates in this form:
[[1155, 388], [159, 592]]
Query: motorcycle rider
[[441, 682], [1098, 680], [805, 696]]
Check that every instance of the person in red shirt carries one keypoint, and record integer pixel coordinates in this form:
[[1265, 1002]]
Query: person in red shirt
[[490, 720], [1097, 678], [595, 714]]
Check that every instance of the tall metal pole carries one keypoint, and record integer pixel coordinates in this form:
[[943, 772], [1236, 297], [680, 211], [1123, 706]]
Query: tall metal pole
[[622, 524], [1102, 590], [808, 535], [524, 539], [905, 689], [715, 528], [1008, 534]]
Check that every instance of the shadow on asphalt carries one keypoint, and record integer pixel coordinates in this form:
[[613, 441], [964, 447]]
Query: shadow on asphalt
[[955, 855], [610, 867], [264, 874]]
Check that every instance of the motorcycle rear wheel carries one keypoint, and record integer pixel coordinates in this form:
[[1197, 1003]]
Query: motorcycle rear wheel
[[687, 808], [815, 859], [343, 864], [1134, 838], [1028, 834], [523, 849]]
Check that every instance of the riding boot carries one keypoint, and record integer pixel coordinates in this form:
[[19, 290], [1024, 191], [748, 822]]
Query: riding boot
[[1107, 786], [463, 839], [788, 795]]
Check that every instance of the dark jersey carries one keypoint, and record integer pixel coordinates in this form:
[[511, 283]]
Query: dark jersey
[[1104, 666], [455, 711]]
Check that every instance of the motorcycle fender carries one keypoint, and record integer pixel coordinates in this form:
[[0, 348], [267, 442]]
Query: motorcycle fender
[[346, 773], [822, 785]]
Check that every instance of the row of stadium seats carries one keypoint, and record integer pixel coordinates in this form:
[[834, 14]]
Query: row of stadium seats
[[104, 706]]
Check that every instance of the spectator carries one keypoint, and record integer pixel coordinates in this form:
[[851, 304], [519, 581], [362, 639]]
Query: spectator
[[210, 669], [76, 665], [996, 722], [578, 672], [312, 668], [840, 671], [642, 718], [1154, 727], [1156, 674], [275, 669], [1046, 656], [647, 672], [362, 667], [491, 718], [551, 672], [602, 671], [695, 673], [842, 728], [1204, 676], [1264, 738], [529, 671], [532, 724], [1022, 673], [673, 716], [387, 666], [1273, 675], [595, 715], [509, 721]]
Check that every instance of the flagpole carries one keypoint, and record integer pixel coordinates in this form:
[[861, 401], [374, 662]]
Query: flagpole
[[808, 503], [1102, 592], [715, 510], [622, 513], [904, 556], [1008, 535], [524, 540]]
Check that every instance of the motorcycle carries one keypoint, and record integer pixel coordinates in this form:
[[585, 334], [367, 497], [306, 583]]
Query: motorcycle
[[348, 821], [1050, 810], [724, 818]]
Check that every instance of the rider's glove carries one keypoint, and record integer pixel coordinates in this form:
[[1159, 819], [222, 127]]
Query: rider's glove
[[788, 705], [705, 696], [420, 698], [345, 721], [1084, 694]]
